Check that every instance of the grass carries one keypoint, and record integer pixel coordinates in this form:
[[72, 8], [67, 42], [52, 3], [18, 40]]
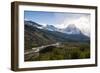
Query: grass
[[64, 51]]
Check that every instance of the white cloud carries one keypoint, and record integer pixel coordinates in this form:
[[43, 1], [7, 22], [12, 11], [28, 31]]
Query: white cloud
[[83, 23]]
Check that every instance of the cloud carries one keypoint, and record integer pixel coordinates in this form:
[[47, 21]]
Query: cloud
[[83, 23]]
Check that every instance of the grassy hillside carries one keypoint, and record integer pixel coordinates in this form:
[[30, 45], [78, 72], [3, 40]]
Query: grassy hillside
[[34, 37]]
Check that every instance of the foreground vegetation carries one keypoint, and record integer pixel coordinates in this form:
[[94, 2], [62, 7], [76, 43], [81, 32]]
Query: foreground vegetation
[[68, 50]]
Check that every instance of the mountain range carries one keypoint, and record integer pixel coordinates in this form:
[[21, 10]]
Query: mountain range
[[38, 35]]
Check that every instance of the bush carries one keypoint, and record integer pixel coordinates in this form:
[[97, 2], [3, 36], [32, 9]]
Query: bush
[[68, 51]]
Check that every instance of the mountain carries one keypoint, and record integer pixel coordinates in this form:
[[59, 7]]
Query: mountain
[[50, 28], [33, 24], [36, 35], [71, 29]]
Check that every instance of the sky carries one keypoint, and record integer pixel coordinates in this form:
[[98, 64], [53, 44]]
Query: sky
[[59, 19]]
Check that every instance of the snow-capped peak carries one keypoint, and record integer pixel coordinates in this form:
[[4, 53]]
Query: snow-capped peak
[[71, 29], [50, 28]]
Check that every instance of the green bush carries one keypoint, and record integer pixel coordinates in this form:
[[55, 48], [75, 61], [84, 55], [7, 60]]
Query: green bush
[[65, 51]]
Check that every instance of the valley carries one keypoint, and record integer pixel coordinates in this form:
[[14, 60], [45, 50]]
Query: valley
[[42, 43]]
